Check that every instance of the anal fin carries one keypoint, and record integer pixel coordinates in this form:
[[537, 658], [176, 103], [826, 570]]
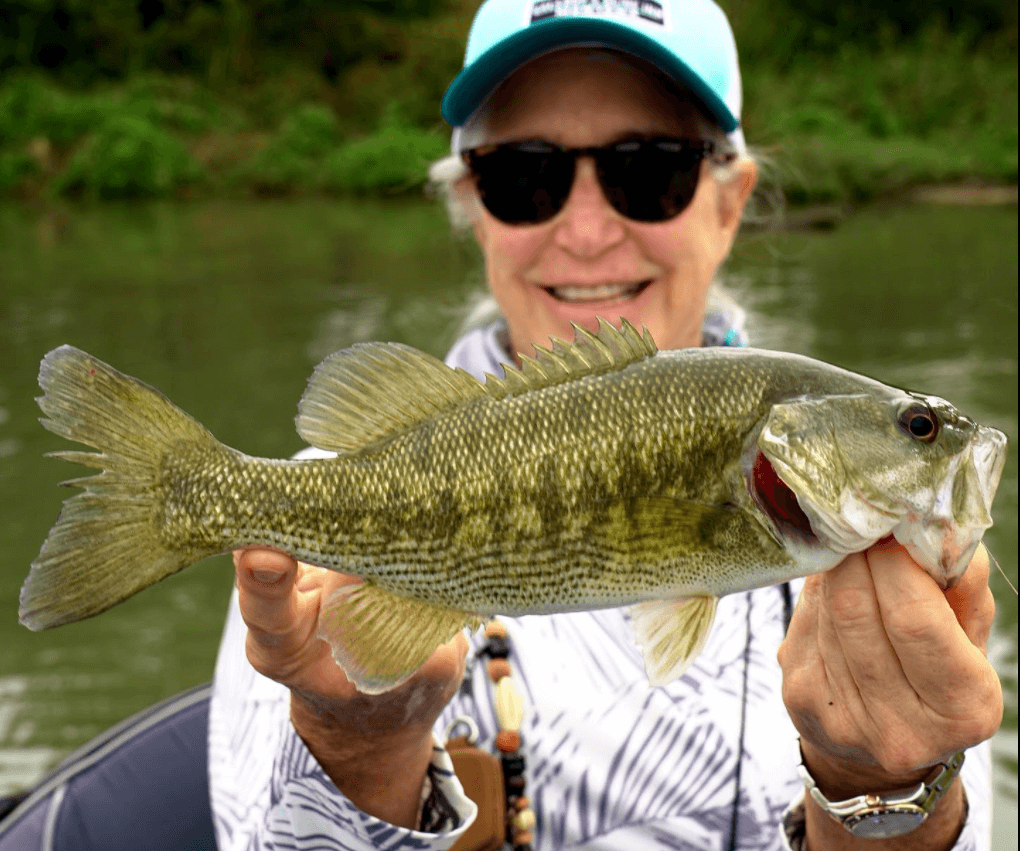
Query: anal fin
[[380, 639], [671, 633]]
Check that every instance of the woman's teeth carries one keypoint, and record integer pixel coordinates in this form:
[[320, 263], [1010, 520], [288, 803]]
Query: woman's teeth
[[603, 292]]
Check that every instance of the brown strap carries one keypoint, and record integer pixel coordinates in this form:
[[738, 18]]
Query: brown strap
[[481, 775]]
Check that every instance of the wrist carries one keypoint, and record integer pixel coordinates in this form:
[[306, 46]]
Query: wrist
[[840, 777], [850, 805], [382, 775]]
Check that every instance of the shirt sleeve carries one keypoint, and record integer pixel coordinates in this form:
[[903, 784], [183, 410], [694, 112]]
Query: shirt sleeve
[[307, 810], [269, 792]]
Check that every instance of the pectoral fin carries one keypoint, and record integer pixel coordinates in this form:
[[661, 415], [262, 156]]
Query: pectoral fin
[[381, 639], [671, 633]]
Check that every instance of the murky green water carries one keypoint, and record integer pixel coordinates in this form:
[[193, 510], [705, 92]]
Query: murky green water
[[226, 307]]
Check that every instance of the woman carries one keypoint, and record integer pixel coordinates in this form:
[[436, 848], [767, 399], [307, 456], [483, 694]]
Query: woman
[[882, 675]]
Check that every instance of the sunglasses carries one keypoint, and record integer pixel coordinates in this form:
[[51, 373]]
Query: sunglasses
[[647, 180]]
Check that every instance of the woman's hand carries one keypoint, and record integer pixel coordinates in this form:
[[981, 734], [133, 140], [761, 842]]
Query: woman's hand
[[375, 748], [885, 675]]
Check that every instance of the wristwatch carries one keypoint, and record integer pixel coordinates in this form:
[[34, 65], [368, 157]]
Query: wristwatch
[[891, 813]]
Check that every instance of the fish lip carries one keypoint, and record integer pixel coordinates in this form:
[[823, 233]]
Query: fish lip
[[988, 451], [944, 540]]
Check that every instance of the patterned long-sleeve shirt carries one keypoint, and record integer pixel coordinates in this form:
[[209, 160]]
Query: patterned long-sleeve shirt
[[706, 763]]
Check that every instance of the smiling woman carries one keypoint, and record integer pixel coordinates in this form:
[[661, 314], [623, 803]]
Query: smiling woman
[[594, 256]]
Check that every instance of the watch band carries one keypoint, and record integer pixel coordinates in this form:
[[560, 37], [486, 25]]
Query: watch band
[[889, 814]]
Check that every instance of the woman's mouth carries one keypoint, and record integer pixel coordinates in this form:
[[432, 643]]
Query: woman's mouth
[[598, 293]]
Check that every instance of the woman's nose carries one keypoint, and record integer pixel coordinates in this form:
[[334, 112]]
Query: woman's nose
[[588, 225]]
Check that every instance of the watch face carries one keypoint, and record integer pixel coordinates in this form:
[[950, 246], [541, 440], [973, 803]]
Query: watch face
[[886, 823]]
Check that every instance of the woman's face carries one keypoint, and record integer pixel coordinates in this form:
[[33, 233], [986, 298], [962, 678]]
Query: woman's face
[[589, 260]]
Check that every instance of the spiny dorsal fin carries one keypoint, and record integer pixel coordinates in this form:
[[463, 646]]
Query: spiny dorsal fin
[[589, 354], [372, 391]]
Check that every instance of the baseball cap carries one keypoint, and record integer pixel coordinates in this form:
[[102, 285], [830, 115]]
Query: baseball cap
[[689, 40]]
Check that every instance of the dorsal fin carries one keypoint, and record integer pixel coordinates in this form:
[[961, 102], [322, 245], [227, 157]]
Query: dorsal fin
[[372, 391], [590, 354]]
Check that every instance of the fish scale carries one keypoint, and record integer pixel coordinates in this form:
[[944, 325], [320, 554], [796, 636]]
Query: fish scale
[[600, 473]]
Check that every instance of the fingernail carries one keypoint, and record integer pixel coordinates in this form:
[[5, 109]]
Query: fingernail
[[266, 577]]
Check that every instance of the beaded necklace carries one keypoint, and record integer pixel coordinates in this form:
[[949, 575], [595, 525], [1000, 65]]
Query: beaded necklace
[[520, 818], [495, 783]]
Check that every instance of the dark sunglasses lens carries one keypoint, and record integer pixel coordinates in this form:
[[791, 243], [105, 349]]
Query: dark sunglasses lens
[[650, 181], [521, 185]]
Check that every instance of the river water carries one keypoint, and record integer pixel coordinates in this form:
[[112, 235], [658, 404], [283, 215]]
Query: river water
[[226, 307]]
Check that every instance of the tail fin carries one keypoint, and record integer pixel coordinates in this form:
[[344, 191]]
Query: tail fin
[[105, 545]]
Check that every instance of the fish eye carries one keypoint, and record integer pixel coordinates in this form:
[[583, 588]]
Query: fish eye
[[920, 422]]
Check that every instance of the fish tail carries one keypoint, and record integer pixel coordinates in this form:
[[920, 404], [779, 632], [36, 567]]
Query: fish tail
[[106, 544]]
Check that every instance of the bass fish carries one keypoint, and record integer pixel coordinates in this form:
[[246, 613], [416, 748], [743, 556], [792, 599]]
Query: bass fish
[[600, 473]]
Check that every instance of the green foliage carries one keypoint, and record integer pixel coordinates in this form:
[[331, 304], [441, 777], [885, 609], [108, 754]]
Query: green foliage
[[228, 41], [395, 158], [311, 130], [177, 103], [783, 34], [15, 167], [851, 101], [128, 157], [306, 154], [416, 83], [292, 158], [30, 107], [862, 123]]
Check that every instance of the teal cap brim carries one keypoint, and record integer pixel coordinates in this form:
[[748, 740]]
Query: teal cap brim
[[479, 79]]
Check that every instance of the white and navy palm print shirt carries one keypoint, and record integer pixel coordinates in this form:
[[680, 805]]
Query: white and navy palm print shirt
[[706, 763]]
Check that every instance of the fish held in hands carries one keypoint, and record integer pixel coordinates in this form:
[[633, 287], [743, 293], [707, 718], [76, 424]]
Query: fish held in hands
[[601, 473]]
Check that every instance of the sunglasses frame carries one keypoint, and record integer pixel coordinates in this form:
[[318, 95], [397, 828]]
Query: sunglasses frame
[[693, 152]]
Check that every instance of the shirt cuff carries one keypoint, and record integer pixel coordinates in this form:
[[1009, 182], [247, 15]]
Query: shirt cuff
[[794, 826], [309, 811]]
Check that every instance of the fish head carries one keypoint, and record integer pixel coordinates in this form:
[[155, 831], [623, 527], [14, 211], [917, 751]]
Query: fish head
[[845, 471]]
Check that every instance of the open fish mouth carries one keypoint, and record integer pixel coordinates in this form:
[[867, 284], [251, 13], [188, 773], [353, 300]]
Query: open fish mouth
[[779, 502]]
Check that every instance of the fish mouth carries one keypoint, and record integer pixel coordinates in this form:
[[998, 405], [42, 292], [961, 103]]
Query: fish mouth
[[599, 293], [779, 502], [960, 513]]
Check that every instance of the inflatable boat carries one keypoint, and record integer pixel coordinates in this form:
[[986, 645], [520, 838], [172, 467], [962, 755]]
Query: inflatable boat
[[141, 786]]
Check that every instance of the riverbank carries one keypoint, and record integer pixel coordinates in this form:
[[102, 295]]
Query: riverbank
[[851, 127]]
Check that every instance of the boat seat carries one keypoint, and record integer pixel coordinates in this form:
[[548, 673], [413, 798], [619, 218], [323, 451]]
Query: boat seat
[[141, 785]]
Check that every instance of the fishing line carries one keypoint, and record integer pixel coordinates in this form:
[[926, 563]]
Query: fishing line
[[735, 817], [995, 561]]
